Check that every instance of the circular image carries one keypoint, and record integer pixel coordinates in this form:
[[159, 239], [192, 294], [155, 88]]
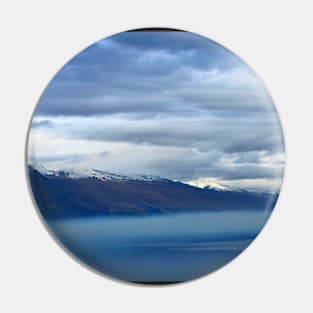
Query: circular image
[[155, 156]]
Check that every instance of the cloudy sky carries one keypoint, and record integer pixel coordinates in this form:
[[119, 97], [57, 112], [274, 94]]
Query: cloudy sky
[[171, 104]]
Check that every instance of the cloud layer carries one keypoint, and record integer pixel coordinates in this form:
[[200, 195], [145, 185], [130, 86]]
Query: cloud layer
[[168, 103]]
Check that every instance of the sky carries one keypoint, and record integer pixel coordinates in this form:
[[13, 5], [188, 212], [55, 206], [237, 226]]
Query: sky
[[171, 104]]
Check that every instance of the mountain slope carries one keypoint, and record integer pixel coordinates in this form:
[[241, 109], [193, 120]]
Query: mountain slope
[[66, 195]]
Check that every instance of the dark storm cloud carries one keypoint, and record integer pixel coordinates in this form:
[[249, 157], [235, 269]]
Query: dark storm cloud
[[172, 102], [195, 50], [227, 134], [132, 67]]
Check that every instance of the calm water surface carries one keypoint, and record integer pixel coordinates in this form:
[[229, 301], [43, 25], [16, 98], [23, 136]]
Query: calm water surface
[[163, 248]]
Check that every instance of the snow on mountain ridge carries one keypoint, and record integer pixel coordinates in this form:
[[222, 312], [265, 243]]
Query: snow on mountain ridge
[[118, 177], [209, 184], [218, 186], [101, 175], [107, 176]]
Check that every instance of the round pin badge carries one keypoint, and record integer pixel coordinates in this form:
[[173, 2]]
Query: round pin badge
[[155, 156]]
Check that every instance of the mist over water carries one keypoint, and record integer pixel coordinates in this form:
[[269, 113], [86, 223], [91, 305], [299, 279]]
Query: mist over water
[[160, 248]]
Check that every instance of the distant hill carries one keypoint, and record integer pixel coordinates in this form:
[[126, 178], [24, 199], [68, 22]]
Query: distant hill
[[62, 194]]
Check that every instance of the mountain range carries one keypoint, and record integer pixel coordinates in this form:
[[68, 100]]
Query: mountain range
[[69, 194]]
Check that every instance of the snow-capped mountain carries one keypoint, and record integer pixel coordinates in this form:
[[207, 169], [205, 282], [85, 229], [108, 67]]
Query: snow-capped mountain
[[101, 175], [104, 176], [209, 184], [218, 186], [69, 194]]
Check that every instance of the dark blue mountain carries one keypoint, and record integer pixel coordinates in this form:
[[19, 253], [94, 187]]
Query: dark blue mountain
[[61, 194]]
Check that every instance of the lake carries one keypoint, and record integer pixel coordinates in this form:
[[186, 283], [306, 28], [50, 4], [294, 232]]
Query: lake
[[160, 248]]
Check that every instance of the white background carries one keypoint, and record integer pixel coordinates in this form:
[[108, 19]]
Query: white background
[[275, 273]]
